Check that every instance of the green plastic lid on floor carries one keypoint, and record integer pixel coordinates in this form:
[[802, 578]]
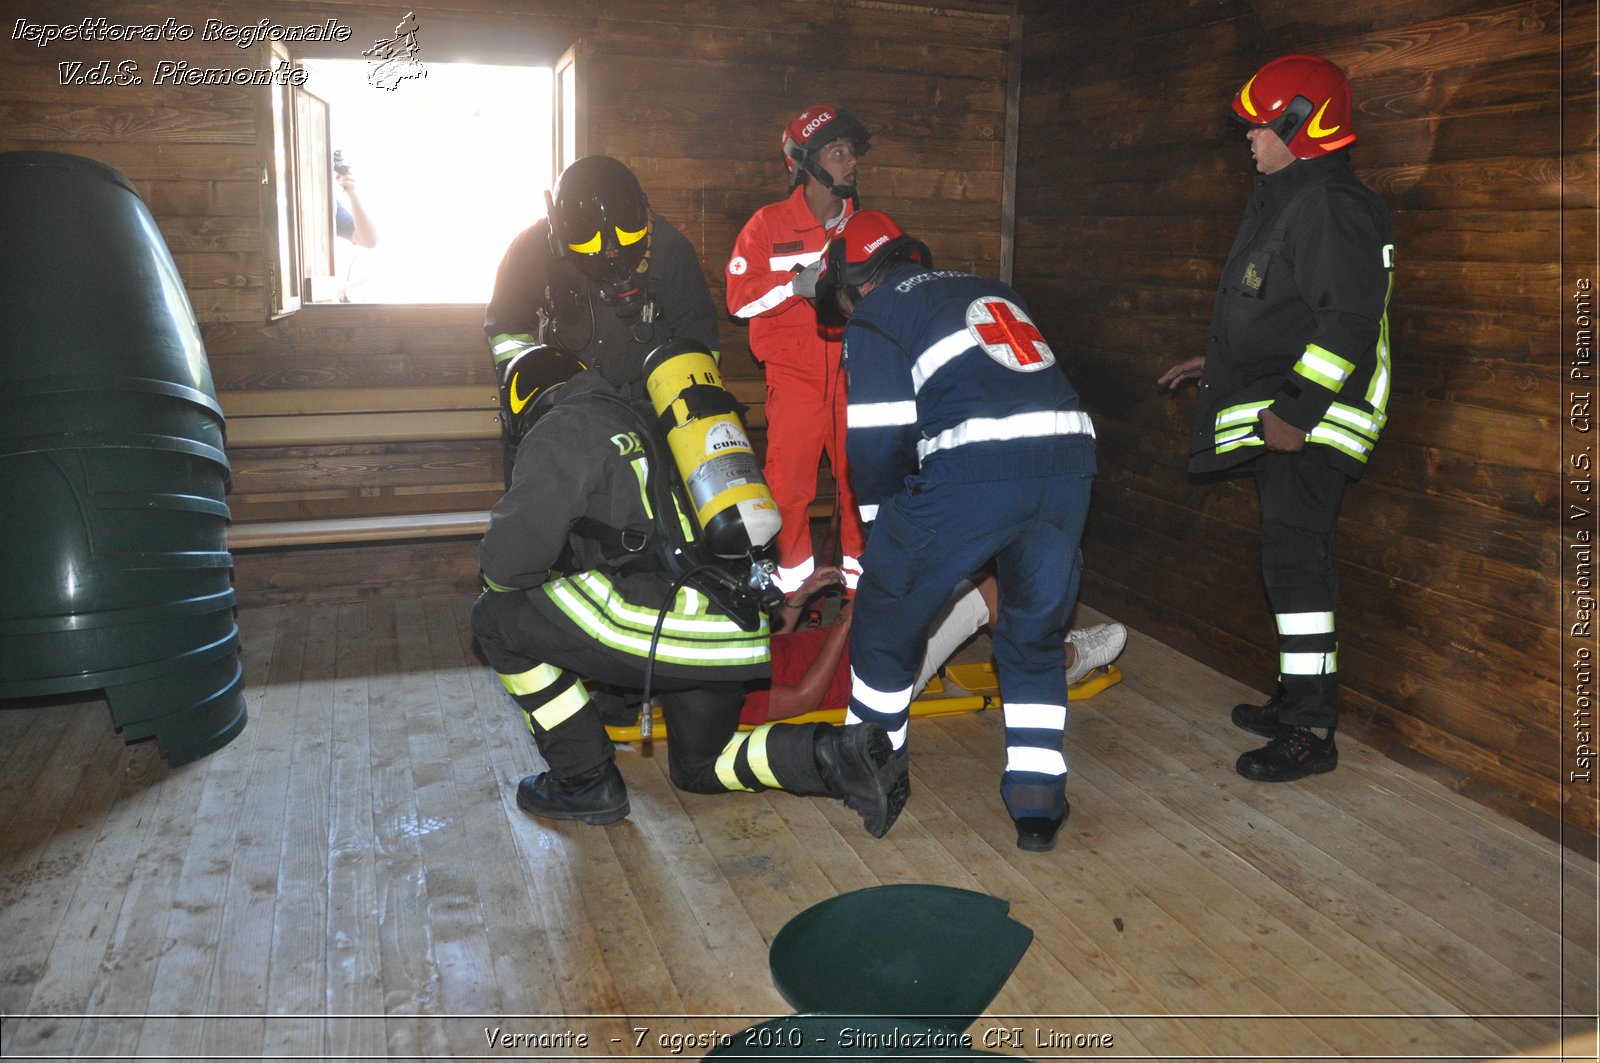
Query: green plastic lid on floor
[[933, 952], [846, 1037]]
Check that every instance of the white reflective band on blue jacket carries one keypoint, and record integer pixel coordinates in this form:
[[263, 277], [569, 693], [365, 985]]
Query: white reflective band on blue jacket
[[939, 355], [1037, 425], [881, 414]]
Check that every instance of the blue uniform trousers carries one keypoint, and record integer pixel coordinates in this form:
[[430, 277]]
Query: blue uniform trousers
[[933, 534]]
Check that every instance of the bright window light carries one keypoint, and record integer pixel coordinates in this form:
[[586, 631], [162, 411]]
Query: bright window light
[[450, 167]]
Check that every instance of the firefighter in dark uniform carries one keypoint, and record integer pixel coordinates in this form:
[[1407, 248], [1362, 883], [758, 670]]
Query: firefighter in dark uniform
[[1295, 382], [966, 445], [578, 586], [639, 286], [601, 273]]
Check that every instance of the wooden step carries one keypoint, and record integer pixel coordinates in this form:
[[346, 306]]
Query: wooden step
[[389, 528]]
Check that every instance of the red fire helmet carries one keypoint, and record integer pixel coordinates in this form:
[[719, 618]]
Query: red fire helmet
[[1304, 99]]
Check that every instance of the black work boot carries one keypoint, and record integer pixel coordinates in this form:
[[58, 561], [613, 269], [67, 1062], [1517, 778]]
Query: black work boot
[[1293, 753], [1037, 834], [597, 796], [858, 764], [1260, 719]]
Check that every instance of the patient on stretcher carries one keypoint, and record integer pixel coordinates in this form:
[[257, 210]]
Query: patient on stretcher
[[811, 666]]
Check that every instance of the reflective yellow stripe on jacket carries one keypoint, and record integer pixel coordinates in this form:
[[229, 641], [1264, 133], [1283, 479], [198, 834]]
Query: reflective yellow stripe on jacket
[[692, 634]]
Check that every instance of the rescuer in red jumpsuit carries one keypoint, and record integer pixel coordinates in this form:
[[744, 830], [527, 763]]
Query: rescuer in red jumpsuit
[[771, 276]]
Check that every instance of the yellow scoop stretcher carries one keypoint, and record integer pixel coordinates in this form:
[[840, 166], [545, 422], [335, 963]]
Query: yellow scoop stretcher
[[979, 685]]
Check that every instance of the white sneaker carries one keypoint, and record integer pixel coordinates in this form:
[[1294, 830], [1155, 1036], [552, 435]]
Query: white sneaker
[[1097, 646]]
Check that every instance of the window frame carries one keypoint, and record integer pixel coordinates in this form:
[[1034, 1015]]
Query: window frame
[[280, 210], [281, 146]]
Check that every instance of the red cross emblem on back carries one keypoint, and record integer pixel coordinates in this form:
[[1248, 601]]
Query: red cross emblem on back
[[1006, 334]]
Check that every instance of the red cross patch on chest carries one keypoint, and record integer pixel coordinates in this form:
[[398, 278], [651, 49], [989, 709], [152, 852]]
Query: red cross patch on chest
[[1007, 335]]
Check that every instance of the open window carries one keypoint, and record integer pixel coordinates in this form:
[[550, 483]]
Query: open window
[[408, 193]]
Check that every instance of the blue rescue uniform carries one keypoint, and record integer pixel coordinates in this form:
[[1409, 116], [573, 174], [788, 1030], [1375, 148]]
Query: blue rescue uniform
[[966, 443]]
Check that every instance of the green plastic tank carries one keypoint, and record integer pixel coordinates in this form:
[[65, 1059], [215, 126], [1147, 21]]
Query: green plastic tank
[[113, 522]]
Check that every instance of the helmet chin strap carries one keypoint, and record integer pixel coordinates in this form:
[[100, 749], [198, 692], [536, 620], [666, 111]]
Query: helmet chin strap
[[838, 191]]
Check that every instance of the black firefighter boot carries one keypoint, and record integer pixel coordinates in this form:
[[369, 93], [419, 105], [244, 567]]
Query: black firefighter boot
[[582, 782], [1260, 719], [858, 764], [596, 796]]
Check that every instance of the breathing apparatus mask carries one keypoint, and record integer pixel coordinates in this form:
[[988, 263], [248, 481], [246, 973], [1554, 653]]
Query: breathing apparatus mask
[[600, 222]]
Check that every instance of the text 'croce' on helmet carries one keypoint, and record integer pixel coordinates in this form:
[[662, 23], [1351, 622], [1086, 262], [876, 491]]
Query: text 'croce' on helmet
[[867, 245], [804, 138], [529, 384], [1304, 99], [599, 218]]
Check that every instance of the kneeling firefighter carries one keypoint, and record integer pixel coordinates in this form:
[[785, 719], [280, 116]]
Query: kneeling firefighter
[[644, 600]]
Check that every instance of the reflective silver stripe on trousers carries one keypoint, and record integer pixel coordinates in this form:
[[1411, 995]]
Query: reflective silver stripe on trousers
[[1030, 758], [1305, 623], [1308, 663]]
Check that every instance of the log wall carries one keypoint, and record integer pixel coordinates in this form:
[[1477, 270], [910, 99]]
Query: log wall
[[1476, 123], [692, 96]]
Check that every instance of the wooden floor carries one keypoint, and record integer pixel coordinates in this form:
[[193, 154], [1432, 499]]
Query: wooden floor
[[351, 878]]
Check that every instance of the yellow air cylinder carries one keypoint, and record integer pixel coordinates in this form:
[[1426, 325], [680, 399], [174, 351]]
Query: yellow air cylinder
[[732, 504]]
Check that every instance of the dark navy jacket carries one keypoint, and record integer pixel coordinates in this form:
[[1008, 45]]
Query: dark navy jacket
[[951, 380]]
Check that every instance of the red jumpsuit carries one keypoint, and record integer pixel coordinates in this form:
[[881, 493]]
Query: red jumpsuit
[[805, 384]]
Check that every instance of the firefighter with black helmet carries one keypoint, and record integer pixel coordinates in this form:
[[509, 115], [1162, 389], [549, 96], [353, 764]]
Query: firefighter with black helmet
[[585, 581], [1295, 382], [601, 276], [967, 445], [770, 276]]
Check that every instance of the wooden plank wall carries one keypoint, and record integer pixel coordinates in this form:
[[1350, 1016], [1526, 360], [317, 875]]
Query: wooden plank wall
[[693, 96], [1128, 192], [1130, 189]]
